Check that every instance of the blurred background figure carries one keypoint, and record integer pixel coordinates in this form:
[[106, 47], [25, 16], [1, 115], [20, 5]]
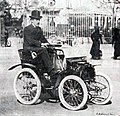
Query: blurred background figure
[[96, 39], [6, 38], [116, 42]]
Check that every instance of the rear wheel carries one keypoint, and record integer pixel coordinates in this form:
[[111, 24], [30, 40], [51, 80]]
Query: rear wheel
[[27, 86], [73, 92], [100, 89]]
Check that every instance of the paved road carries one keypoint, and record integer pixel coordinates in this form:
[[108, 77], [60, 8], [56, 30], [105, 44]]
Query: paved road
[[10, 107]]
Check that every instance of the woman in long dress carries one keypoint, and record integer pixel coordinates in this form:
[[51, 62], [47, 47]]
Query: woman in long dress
[[96, 39]]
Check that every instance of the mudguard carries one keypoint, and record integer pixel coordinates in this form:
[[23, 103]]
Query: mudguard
[[23, 64]]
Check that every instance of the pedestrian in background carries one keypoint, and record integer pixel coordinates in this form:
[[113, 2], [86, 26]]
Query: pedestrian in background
[[6, 37], [116, 42], [96, 39]]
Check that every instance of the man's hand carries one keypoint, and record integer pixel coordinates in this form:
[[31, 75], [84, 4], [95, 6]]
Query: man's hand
[[44, 44]]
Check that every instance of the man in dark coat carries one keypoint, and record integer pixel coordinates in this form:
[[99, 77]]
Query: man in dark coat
[[96, 39], [116, 42], [33, 39]]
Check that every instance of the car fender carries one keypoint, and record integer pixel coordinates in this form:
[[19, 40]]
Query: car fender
[[22, 64]]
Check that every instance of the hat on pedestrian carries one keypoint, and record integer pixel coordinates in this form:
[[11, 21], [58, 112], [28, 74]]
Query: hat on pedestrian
[[35, 15]]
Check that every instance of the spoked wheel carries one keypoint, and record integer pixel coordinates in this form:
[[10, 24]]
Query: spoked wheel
[[101, 89], [27, 86], [73, 93]]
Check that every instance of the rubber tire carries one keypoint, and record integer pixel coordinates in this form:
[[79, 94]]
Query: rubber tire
[[110, 85], [38, 87], [85, 92]]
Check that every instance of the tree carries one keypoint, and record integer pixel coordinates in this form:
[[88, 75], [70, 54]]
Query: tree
[[3, 5]]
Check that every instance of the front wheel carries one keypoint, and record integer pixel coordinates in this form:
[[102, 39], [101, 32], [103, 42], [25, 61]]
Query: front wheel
[[100, 89], [73, 92], [27, 86]]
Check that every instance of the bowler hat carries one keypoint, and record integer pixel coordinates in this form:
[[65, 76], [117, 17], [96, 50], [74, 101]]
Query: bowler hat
[[35, 15]]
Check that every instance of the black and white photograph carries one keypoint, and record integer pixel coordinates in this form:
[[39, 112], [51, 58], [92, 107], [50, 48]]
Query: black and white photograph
[[59, 57]]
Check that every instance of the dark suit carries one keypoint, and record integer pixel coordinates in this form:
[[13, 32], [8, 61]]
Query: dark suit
[[116, 42], [33, 37]]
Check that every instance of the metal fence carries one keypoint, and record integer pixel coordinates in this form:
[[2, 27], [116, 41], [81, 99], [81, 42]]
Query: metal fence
[[73, 25], [80, 25]]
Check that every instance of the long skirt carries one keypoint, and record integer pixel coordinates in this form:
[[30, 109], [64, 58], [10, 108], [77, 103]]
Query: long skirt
[[95, 49]]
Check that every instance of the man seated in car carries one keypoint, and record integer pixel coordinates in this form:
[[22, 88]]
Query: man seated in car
[[33, 39]]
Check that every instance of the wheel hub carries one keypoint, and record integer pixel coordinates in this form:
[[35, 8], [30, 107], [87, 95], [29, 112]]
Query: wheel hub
[[72, 91]]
